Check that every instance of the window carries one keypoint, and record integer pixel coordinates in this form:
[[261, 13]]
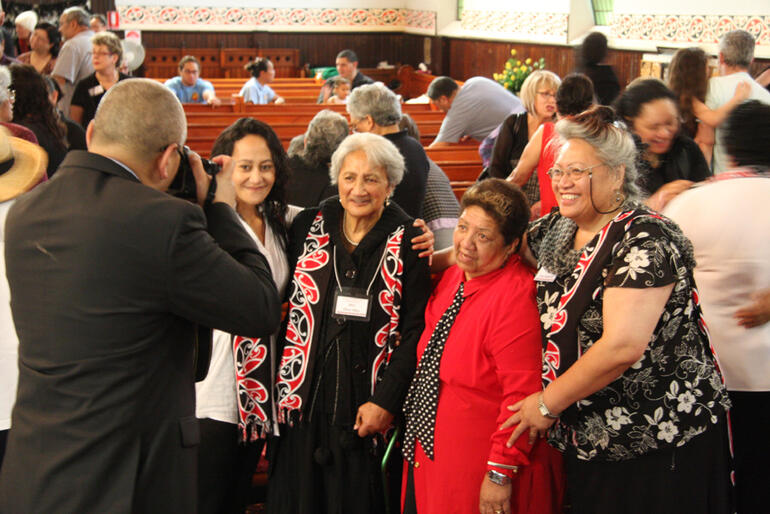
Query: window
[[602, 11]]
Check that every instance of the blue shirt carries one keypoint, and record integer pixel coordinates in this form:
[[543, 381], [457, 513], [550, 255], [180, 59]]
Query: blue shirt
[[189, 94], [254, 92]]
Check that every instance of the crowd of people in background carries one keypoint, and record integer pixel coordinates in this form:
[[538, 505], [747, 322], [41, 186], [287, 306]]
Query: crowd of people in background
[[596, 336]]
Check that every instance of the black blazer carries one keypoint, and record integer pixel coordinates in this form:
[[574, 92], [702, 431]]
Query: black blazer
[[107, 277]]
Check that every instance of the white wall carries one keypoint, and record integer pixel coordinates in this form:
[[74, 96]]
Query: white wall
[[544, 6], [693, 7]]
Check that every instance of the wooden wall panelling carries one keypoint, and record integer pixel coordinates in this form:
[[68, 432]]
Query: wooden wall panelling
[[318, 49], [468, 58]]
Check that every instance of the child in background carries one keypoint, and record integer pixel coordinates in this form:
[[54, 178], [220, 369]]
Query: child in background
[[340, 91]]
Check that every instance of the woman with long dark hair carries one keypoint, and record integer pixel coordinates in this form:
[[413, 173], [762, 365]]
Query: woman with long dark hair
[[33, 110], [688, 77], [226, 405]]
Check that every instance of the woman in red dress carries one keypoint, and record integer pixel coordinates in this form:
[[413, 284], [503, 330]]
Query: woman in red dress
[[480, 351], [575, 95]]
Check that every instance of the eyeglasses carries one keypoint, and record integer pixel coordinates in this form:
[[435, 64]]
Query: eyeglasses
[[573, 173], [547, 94]]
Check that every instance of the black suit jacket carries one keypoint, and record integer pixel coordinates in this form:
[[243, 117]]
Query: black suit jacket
[[107, 276]]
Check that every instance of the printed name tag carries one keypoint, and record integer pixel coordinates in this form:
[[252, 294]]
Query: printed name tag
[[352, 303], [96, 90], [543, 275]]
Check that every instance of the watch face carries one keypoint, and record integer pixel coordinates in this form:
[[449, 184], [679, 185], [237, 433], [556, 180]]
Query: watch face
[[498, 478]]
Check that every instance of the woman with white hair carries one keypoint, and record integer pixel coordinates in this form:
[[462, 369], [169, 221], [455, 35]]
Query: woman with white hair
[[375, 108], [356, 301], [310, 183], [25, 24]]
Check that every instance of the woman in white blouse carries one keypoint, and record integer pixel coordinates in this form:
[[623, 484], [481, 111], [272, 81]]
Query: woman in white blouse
[[233, 402]]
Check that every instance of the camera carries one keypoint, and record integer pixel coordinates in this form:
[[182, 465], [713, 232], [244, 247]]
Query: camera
[[183, 185]]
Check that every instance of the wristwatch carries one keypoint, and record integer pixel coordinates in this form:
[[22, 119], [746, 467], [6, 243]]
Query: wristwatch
[[541, 406], [498, 478]]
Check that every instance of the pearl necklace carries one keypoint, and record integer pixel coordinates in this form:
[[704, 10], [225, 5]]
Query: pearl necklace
[[344, 234]]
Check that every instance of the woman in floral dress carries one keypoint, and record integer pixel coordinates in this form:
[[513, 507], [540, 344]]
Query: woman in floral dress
[[632, 393]]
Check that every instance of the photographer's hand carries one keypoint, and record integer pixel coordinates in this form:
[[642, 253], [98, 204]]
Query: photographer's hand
[[202, 179], [225, 190]]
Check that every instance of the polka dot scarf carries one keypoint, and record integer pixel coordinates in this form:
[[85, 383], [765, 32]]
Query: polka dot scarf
[[422, 399]]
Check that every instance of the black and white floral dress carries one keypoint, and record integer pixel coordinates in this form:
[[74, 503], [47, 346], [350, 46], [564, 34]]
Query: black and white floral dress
[[675, 391]]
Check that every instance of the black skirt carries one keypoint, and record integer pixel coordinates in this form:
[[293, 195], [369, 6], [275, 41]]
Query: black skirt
[[318, 468], [693, 479]]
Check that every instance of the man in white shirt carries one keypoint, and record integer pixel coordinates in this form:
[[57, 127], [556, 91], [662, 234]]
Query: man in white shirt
[[728, 220], [736, 51], [74, 61]]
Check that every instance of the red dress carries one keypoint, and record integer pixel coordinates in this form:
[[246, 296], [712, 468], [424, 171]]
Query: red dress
[[492, 359], [545, 163]]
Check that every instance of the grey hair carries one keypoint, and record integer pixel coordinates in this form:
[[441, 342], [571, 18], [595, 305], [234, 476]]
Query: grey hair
[[380, 153], [78, 14], [613, 145], [5, 83], [377, 101], [737, 48], [324, 134], [296, 145]]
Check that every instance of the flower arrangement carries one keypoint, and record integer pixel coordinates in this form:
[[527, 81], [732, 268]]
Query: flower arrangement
[[516, 71]]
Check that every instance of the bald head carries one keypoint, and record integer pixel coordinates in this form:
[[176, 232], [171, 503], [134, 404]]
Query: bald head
[[140, 115]]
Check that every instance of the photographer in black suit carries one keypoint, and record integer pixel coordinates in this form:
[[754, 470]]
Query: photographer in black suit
[[108, 276]]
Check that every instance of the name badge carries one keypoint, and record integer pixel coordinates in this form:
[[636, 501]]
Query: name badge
[[96, 90], [543, 275], [352, 304]]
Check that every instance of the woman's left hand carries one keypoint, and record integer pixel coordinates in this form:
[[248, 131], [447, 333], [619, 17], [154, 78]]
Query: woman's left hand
[[425, 241], [494, 499], [527, 416], [371, 418]]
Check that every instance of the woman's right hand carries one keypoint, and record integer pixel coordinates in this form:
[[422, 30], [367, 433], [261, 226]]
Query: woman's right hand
[[742, 91], [493, 498]]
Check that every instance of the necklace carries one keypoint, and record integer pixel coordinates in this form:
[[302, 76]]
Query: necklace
[[344, 234]]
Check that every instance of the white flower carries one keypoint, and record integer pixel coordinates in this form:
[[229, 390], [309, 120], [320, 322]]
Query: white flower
[[667, 431], [637, 259], [686, 401], [547, 318], [617, 417]]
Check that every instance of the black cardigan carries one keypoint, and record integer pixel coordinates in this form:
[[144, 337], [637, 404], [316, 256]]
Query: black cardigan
[[684, 160], [340, 398]]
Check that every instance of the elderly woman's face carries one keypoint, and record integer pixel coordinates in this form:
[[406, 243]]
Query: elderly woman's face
[[363, 188], [22, 31], [580, 189], [479, 246], [657, 124], [254, 173]]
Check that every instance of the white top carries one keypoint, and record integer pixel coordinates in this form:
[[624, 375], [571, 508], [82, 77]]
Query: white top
[[721, 90], [216, 394], [728, 222], [477, 109], [9, 343]]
